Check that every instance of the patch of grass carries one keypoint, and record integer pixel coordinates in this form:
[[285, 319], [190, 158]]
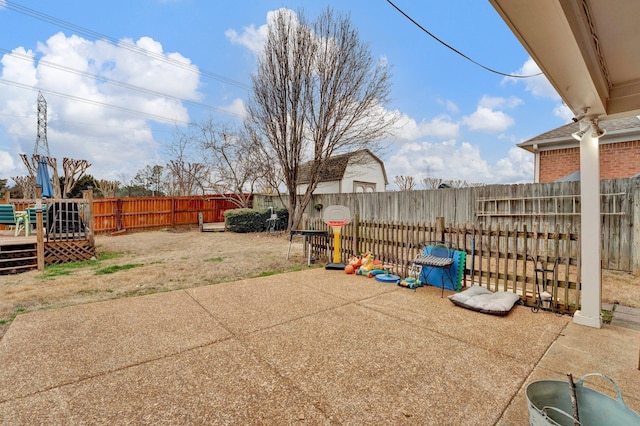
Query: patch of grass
[[214, 259], [266, 274], [65, 269], [607, 316], [18, 309], [280, 271], [108, 255], [116, 268], [53, 271]]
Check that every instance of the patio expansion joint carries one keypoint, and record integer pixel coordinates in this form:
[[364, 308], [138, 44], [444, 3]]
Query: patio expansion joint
[[115, 370], [532, 370], [449, 336], [328, 293], [241, 339]]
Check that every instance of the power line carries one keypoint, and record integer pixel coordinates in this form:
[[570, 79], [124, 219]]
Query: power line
[[77, 123], [456, 50], [92, 102], [128, 46], [114, 82]]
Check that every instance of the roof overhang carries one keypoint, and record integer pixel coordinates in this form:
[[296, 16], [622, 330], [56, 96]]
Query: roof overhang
[[589, 50], [563, 142]]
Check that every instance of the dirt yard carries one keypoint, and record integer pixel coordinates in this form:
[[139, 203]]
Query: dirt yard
[[150, 262]]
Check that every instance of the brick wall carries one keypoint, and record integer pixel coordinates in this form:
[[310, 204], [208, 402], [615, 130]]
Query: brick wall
[[617, 160]]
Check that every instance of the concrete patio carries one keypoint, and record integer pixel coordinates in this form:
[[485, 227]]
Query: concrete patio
[[311, 347]]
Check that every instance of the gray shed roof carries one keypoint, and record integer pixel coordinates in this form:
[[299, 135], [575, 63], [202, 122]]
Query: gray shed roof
[[336, 167]]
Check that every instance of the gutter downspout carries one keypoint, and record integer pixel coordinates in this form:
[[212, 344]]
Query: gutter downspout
[[536, 163]]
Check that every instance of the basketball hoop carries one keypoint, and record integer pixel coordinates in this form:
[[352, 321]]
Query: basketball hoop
[[336, 217], [335, 223]]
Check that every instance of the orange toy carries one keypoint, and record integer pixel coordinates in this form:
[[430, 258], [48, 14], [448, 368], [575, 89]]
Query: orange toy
[[348, 269]]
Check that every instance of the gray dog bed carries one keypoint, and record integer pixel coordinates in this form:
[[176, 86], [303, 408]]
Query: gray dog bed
[[482, 300]]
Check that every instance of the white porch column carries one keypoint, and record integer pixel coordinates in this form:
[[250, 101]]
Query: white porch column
[[590, 232]]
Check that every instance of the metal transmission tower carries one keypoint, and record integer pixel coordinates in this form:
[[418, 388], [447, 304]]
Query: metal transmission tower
[[42, 146]]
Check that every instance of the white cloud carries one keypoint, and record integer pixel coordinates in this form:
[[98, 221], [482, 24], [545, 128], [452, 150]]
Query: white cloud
[[237, 108], [538, 85], [80, 124], [451, 106], [254, 38], [452, 161], [517, 167], [488, 120], [406, 128], [493, 102], [7, 166], [563, 111], [251, 37]]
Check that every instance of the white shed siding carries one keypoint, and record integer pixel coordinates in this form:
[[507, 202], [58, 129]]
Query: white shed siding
[[362, 174], [332, 187], [371, 172]]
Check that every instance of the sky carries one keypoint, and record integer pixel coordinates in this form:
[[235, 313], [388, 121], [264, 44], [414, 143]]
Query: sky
[[121, 77]]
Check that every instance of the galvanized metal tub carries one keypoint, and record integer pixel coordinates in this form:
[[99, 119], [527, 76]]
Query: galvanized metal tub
[[549, 403]]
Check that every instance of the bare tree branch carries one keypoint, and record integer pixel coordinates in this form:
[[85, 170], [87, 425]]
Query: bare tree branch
[[317, 91], [55, 179], [26, 185], [405, 183], [73, 171], [108, 188]]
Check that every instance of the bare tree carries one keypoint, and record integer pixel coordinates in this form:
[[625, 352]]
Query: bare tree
[[435, 183], [317, 91], [73, 172], [236, 166], [405, 183], [32, 167], [150, 180], [432, 183], [108, 188], [26, 185], [187, 178], [55, 179], [178, 182]]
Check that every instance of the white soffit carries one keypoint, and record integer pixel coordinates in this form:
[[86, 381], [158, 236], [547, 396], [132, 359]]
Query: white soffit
[[589, 50]]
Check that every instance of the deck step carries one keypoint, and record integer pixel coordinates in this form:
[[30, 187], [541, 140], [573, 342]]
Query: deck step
[[18, 256], [6, 252], [16, 267], [18, 259]]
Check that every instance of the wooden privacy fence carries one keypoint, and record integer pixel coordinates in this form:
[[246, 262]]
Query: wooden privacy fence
[[498, 258], [146, 213], [492, 206]]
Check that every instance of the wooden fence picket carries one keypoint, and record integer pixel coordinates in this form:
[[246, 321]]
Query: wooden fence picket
[[502, 257]]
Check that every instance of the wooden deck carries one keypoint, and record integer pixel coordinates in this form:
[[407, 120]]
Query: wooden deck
[[17, 254], [212, 227], [21, 253], [8, 239]]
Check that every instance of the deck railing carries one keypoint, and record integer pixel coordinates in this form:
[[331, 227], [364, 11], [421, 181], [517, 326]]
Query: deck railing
[[63, 227]]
